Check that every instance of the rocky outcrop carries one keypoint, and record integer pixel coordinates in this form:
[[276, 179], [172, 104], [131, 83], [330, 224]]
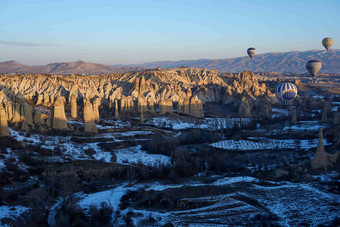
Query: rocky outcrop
[[96, 104], [37, 118], [127, 104], [26, 114], [323, 160], [151, 103], [245, 107], [165, 106], [89, 117], [186, 105], [142, 103], [3, 122], [196, 107], [74, 108], [116, 110], [59, 120]]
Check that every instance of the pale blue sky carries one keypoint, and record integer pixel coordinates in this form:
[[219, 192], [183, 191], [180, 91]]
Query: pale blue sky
[[137, 31]]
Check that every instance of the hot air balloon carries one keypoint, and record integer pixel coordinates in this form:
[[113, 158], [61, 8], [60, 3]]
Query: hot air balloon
[[313, 67], [327, 43], [286, 92], [251, 52]]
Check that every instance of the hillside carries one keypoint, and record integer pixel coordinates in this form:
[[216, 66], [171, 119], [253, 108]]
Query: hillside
[[62, 68], [293, 61]]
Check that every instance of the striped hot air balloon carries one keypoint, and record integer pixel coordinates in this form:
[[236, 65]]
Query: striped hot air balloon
[[286, 92]]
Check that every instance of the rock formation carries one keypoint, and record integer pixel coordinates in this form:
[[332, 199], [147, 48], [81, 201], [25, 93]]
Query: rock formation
[[165, 106], [3, 122], [37, 118], [186, 105], [245, 107], [141, 115], [127, 104], [96, 104], [324, 114], [196, 107], [116, 110], [74, 108], [323, 160], [142, 103], [152, 105], [59, 120], [26, 114], [89, 117]]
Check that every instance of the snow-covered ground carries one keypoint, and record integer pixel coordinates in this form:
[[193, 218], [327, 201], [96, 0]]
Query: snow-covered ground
[[109, 124], [135, 155], [2, 165], [207, 123], [306, 126], [78, 150], [11, 212], [290, 202], [266, 144], [280, 112]]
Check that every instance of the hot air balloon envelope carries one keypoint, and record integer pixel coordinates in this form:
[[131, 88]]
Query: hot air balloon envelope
[[286, 92], [327, 43], [313, 67], [251, 52]]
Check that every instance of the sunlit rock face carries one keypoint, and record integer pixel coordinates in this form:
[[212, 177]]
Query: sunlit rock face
[[96, 104], [74, 107], [59, 120], [89, 117], [3, 122], [142, 103], [188, 89]]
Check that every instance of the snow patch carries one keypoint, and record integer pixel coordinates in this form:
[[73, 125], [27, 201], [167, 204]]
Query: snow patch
[[134, 155]]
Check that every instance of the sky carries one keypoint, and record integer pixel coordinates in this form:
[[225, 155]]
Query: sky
[[117, 32]]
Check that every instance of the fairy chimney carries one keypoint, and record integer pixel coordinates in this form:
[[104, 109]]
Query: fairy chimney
[[59, 120], [3, 122], [89, 117]]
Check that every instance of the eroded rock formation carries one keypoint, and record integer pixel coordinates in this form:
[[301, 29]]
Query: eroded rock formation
[[165, 106], [59, 120], [89, 117], [323, 160], [3, 122]]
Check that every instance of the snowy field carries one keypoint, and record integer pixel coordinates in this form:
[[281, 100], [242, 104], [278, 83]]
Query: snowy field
[[135, 155], [277, 112], [11, 212], [266, 144], [132, 155], [306, 126], [291, 203], [207, 123], [109, 124]]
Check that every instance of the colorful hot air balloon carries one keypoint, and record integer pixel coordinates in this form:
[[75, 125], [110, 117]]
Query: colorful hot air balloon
[[313, 67], [251, 52], [327, 43], [286, 92]]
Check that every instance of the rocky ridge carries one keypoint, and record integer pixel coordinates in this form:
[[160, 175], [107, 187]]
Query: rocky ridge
[[185, 90]]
